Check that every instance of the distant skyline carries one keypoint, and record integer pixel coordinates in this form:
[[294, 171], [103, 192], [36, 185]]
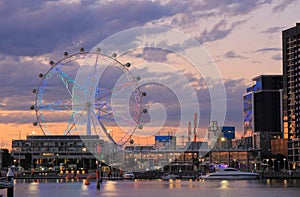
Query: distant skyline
[[243, 37]]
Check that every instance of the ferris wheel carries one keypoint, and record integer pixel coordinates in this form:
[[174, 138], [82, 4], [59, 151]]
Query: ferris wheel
[[109, 99]]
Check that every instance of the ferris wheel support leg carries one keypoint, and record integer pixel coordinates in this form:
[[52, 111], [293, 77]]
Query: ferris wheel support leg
[[88, 124]]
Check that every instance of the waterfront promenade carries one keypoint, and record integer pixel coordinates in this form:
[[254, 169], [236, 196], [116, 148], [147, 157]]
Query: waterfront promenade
[[144, 175]]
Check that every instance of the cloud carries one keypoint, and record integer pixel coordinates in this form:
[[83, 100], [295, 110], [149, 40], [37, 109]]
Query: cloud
[[232, 54], [273, 29], [78, 24], [267, 49], [284, 4], [87, 22], [17, 79], [154, 54], [18, 117], [231, 7], [277, 57], [235, 88], [219, 31], [48, 28]]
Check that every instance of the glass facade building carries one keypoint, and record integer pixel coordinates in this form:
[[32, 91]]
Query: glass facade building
[[291, 90], [262, 112]]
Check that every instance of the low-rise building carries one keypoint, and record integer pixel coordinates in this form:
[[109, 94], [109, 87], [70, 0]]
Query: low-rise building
[[57, 150]]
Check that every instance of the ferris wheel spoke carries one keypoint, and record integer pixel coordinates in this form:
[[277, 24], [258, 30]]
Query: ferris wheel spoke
[[71, 125], [68, 81], [88, 103], [114, 116], [57, 105], [99, 96], [103, 128]]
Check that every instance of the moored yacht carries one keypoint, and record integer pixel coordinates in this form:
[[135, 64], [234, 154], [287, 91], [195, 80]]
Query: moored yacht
[[167, 177], [231, 174]]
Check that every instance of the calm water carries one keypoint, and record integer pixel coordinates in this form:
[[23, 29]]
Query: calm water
[[211, 188]]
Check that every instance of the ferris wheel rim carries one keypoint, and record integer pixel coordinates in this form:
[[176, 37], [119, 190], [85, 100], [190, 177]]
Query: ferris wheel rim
[[67, 59]]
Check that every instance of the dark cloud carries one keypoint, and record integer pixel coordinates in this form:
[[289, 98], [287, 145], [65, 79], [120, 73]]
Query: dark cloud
[[256, 62], [231, 7], [154, 54], [38, 28], [267, 49], [273, 30], [277, 57], [232, 54], [219, 31], [19, 117], [48, 28], [283, 5], [17, 79]]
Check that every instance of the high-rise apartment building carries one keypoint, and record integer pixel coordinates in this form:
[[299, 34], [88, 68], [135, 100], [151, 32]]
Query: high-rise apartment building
[[291, 91], [263, 112]]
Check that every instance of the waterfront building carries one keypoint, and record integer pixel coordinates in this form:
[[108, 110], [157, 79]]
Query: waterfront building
[[236, 158], [263, 113], [226, 137], [165, 142], [70, 151], [291, 91], [279, 147]]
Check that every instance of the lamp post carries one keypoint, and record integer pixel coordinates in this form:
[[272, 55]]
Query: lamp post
[[267, 163], [273, 164], [135, 163], [201, 160], [83, 151], [56, 160], [223, 140], [170, 160], [110, 132], [284, 164]]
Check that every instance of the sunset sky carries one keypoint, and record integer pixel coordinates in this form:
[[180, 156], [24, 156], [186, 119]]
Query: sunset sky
[[243, 37]]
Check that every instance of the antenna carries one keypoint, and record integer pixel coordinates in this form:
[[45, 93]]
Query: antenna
[[189, 131], [195, 126]]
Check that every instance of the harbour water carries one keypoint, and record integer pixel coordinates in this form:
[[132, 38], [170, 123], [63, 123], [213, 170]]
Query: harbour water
[[156, 188]]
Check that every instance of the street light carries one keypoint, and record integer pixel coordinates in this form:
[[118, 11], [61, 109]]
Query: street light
[[110, 132], [83, 151], [56, 161], [135, 163], [273, 164], [170, 160], [284, 164]]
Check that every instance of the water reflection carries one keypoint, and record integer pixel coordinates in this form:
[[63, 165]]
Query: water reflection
[[33, 187], [156, 188], [224, 184]]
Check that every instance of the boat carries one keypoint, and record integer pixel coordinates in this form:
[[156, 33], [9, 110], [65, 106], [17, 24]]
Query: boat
[[128, 175], [167, 177], [231, 174]]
